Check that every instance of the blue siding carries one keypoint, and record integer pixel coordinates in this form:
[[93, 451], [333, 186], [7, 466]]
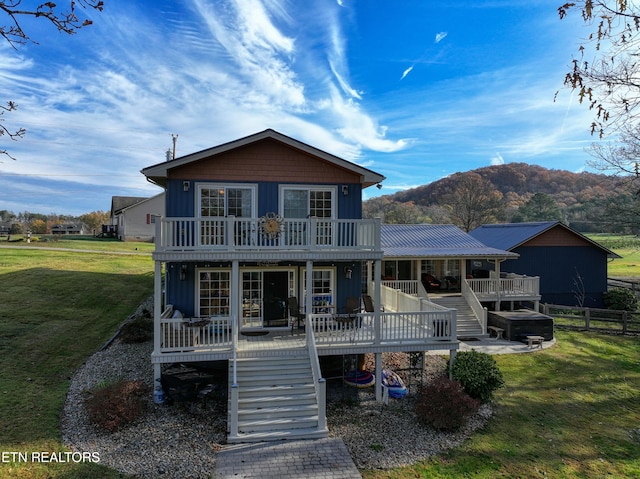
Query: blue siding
[[180, 203], [560, 269]]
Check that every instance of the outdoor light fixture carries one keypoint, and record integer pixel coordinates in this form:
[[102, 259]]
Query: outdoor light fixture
[[345, 190], [347, 272], [183, 272], [185, 185]]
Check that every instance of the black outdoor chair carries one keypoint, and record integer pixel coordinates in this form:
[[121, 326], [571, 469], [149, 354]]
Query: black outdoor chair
[[295, 315]]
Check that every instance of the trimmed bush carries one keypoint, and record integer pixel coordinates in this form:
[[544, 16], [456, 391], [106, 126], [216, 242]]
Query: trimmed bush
[[621, 299], [443, 405], [137, 330], [478, 373], [116, 405]]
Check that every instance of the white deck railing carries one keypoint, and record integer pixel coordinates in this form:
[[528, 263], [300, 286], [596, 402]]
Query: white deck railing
[[319, 382], [472, 300], [207, 335], [518, 286], [192, 334], [232, 234], [395, 328], [409, 286]]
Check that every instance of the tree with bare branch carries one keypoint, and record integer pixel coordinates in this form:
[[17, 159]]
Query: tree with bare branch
[[66, 20]]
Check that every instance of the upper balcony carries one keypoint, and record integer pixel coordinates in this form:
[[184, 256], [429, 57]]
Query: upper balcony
[[268, 237]]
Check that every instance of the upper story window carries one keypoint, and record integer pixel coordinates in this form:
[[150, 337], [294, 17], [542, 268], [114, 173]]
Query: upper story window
[[226, 200], [304, 202]]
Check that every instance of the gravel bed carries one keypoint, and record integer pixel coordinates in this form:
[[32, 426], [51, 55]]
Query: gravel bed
[[180, 440]]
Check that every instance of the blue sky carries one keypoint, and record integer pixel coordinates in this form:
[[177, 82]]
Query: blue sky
[[412, 89]]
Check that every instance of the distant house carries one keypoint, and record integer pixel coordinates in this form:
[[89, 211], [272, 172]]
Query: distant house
[[69, 229], [572, 268], [134, 217]]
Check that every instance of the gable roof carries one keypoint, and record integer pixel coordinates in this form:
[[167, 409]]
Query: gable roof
[[434, 241], [509, 236], [118, 203], [158, 173]]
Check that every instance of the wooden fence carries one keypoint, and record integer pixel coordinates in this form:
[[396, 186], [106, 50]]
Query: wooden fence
[[592, 319]]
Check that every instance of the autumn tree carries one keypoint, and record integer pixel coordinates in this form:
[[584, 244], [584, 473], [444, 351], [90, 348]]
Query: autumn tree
[[65, 20], [95, 219], [474, 202]]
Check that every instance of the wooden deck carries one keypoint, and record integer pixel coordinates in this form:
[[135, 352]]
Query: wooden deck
[[194, 340]]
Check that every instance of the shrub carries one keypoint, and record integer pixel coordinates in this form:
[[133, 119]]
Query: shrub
[[118, 404], [478, 373], [137, 330], [443, 405], [621, 299]]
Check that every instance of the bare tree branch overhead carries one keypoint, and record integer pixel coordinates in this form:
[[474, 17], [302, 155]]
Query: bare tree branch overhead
[[66, 19]]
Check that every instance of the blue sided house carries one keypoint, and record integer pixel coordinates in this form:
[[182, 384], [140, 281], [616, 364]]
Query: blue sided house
[[263, 264], [572, 268]]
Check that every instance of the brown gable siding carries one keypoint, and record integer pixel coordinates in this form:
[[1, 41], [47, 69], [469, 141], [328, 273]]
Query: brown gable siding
[[267, 160], [558, 236]]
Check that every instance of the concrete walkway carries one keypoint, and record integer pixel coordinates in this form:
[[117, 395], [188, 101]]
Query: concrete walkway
[[326, 458]]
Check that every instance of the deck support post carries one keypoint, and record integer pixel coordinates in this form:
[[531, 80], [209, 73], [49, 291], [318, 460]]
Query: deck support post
[[378, 384], [452, 358]]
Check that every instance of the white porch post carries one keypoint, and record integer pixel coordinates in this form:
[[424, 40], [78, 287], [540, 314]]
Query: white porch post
[[235, 296], [308, 300], [377, 274], [157, 315], [498, 284]]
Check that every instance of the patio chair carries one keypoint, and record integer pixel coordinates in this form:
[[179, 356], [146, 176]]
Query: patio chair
[[430, 283], [353, 305], [295, 315], [368, 304]]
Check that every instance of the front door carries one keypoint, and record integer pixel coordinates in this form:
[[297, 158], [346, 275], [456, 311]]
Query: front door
[[264, 298]]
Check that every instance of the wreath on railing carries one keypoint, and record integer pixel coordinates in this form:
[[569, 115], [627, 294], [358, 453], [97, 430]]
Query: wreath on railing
[[271, 225]]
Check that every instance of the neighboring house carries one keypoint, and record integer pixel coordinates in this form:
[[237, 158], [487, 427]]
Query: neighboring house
[[253, 227], [134, 217], [572, 268], [69, 229], [435, 262]]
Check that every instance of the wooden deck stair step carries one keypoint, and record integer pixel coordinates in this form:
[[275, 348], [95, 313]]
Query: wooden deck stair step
[[276, 400], [466, 321]]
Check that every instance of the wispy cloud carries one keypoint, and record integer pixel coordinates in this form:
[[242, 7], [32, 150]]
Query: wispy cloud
[[497, 159], [440, 36], [406, 72]]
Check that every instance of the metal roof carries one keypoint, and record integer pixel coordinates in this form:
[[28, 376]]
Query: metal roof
[[509, 236], [434, 241]]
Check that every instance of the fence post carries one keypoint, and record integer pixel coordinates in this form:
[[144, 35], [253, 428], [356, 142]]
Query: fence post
[[625, 316], [587, 318]]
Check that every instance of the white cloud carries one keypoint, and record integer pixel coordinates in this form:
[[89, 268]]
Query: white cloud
[[406, 72], [440, 36], [497, 159]]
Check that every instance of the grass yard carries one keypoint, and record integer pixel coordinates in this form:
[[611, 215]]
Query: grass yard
[[628, 247], [572, 411], [56, 309]]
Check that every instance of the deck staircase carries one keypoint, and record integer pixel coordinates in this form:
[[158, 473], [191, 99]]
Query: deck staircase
[[276, 400], [467, 323]]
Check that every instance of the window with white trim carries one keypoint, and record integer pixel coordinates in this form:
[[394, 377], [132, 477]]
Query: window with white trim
[[213, 292]]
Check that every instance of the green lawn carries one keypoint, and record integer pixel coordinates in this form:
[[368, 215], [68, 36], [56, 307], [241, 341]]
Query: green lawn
[[56, 309], [572, 411]]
